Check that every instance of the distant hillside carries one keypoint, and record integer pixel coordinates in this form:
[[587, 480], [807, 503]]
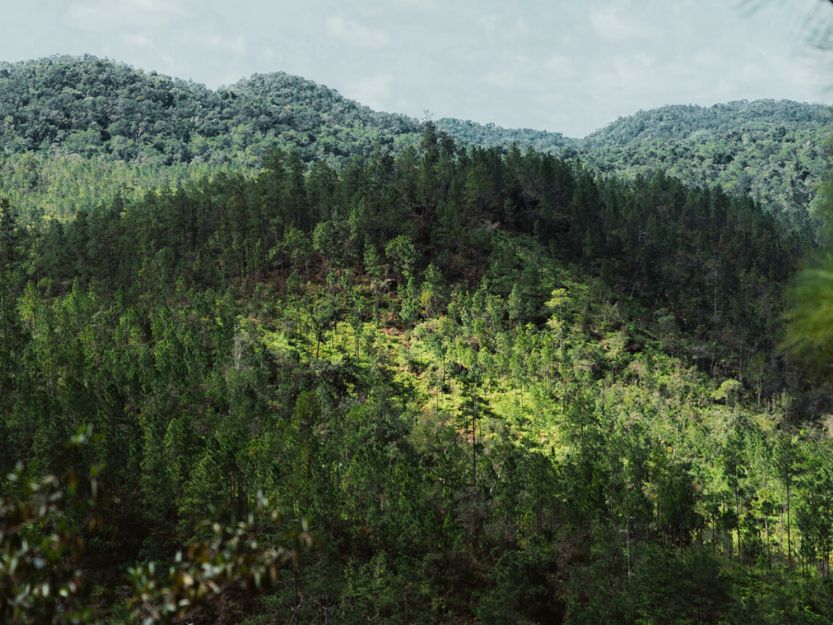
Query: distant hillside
[[775, 151], [679, 122], [490, 136], [67, 108], [90, 106]]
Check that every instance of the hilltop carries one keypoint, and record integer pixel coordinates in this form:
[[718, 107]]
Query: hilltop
[[95, 108]]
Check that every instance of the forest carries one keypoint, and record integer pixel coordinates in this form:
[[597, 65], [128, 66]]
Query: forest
[[269, 356]]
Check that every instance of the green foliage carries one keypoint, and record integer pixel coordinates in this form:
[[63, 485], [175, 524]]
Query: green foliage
[[492, 136], [78, 130], [101, 107], [809, 329], [501, 387], [811, 319], [45, 527], [42, 536], [235, 557], [771, 150]]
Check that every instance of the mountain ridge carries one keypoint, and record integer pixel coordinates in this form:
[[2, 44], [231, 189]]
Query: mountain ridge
[[270, 84], [771, 149]]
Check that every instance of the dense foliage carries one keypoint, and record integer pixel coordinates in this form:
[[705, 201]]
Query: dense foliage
[[94, 125], [88, 106], [44, 528], [773, 151], [492, 136], [500, 387]]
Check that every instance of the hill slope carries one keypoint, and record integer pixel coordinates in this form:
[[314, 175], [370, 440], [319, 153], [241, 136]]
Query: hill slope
[[97, 109], [499, 387], [492, 136], [91, 106], [677, 122], [774, 151]]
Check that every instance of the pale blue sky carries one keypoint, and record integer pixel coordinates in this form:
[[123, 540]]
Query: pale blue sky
[[565, 65]]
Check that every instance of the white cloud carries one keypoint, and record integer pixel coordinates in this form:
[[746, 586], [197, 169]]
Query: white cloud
[[270, 55], [518, 29], [502, 79], [495, 26], [488, 23], [139, 40], [610, 24], [234, 45], [373, 91], [355, 34], [560, 65], [418, 5], [530, 75], [151, 6], [105, 13], [634, 68]]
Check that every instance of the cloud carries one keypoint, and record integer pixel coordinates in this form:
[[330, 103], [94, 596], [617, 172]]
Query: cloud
[[355, 34], [534, 76], [496, 26], [502, 79], [372, 91], [234, 45], [270, 55], [518, 29], [151, 6], [635, 68], [139, 40], [610, 24], [560, 65], [488, 23], [418, 5], [107, 13], [148, 48]]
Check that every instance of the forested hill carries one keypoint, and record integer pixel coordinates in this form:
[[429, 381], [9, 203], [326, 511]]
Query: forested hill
[[499, 389], [117, 118], [91, 106], [774, 151], [493, 136], [733, 119], [489, 385]]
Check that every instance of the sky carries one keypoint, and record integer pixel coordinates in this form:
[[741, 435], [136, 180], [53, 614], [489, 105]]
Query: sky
[[569, 66]]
